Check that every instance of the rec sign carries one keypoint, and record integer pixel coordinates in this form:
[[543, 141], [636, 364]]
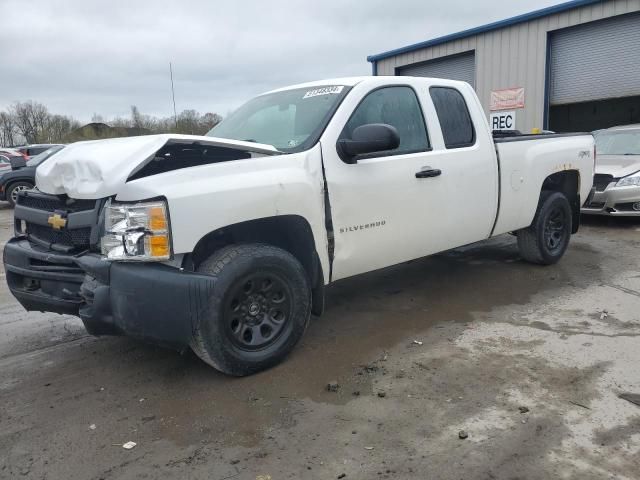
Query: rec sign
[[503, 120]]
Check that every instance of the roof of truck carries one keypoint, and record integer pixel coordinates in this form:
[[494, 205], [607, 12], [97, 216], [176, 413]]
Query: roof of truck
[[347, 81], [353, 81]]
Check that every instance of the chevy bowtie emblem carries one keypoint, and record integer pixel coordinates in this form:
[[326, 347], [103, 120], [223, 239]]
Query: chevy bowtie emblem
[[56, 221]]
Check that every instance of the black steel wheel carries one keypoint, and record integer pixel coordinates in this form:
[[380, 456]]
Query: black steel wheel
[[546, 240], [555, 228], [257, 308], [258, 311]]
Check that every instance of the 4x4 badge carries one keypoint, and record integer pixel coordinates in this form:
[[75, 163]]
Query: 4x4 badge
[[56, 221]]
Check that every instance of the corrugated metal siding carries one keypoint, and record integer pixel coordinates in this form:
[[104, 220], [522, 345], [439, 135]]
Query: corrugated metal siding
[[456, 67], [514, 56], [596, 61]]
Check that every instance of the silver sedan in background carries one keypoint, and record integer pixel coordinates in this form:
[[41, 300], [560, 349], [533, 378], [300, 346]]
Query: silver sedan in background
[[617, 177]]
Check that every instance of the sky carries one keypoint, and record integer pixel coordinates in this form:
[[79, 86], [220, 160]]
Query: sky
[[86, 57]]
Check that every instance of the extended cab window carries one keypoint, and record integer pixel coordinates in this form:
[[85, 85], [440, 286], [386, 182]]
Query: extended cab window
[[395, 106], [453, 114]]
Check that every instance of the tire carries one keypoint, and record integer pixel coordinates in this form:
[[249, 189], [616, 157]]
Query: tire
[[13, 190], [258, 312], [547, 238]]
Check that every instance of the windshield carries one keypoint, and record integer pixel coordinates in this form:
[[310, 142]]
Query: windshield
[[41, 157], [290, 120], [618, 143]]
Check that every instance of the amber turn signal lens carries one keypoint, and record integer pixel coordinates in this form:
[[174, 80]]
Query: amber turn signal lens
[[159, 246], [157, 219]]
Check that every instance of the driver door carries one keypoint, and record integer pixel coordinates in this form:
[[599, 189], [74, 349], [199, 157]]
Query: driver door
[[377, 204]]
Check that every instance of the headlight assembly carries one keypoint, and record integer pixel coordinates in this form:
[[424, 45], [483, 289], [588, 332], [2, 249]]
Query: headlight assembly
[[629, 181], [136, 232]]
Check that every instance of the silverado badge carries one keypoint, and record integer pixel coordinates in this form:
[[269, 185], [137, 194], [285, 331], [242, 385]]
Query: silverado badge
[[56, 221]]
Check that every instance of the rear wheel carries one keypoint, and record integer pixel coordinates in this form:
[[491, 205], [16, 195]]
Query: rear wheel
[[547, 238], [258, 312], [14, 189]]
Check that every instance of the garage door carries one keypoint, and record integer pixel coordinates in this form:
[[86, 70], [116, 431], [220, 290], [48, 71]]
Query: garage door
[[596, 61], [456, 67]]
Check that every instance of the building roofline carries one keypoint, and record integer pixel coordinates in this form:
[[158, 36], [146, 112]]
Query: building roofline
[[525, 17]]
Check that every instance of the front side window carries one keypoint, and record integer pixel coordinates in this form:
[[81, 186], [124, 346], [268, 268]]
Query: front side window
[[289, 120], [453, 114], [395, 106]]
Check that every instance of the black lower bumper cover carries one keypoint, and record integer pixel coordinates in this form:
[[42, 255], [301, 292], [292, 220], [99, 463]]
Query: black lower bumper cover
[[149, 301]]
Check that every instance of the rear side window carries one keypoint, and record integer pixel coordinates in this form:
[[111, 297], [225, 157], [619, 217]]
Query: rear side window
[[36, 150], [455, 121], [395, 106]]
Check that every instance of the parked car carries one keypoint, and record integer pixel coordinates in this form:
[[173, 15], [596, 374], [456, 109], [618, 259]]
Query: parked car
[[11, 159], [17, 180], [35, 149], [617, 177], [225, 243], [5, 163]]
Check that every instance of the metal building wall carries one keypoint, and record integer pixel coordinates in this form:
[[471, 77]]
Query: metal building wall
[[457, 67], [514, 56], [596, 60]]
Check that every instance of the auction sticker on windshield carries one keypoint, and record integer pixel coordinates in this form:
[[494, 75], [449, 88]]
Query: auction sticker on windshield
[[333, 90]]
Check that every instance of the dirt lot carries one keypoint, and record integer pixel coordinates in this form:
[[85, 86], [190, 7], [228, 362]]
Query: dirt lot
[[492, 333]]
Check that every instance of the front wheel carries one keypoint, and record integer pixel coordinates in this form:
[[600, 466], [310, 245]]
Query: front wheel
[[15, 189], [259, 309], [547, 238]]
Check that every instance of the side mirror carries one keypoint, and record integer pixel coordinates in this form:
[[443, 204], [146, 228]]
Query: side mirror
[[369, 138]]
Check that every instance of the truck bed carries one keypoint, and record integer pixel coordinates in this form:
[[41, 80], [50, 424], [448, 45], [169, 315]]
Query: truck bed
[[520, 159]]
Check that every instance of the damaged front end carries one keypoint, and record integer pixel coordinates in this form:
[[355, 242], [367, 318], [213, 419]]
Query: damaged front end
[[73, 254], [61, 270], [100, 169]]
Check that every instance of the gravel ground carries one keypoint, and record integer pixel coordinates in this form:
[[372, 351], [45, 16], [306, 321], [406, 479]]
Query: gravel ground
[[528, 361]]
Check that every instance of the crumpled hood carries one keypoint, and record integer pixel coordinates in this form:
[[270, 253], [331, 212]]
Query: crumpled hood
[[617, 165], [99, 168]]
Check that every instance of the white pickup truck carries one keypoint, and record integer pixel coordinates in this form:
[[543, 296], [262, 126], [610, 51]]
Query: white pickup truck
[[225, 243]]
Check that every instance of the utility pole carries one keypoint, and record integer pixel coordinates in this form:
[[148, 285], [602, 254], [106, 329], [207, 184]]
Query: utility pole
[[173, 96]]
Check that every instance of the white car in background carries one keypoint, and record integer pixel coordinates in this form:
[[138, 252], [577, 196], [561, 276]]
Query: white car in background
[[617, 178]]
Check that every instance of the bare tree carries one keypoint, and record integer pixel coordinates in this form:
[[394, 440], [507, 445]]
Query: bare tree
[[31, 122], [7, 130], [188, 122], [58, 128], [208, 121], [30, 119], [136, 117]]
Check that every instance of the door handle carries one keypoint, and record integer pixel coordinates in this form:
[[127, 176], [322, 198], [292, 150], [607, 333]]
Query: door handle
[[428, 172]]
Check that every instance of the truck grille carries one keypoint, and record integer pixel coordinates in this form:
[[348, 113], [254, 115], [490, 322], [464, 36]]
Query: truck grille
[[68, 239], [51, 203], [602, 181], [77, 238]]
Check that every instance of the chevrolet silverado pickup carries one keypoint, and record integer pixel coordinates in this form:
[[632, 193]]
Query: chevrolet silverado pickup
[[225, 243]]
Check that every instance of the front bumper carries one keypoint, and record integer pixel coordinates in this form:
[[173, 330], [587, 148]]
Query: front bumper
[[613, 201], [149, 301]]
